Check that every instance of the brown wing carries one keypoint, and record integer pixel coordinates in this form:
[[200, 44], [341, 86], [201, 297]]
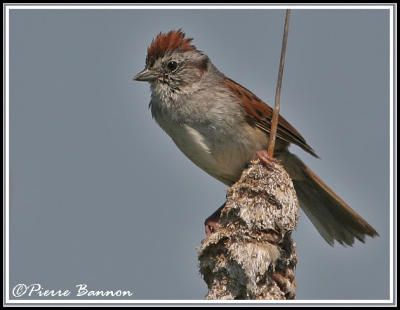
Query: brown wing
[[260, 114]]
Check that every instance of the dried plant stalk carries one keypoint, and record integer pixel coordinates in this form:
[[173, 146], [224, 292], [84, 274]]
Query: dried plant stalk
[[275, 114], [252, 255]]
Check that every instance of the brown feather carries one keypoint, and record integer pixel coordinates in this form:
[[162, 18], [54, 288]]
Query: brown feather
[[168, 42], [260, 114], [330, 214]]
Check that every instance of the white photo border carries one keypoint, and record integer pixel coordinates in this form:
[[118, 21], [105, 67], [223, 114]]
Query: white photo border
[[393, 159]]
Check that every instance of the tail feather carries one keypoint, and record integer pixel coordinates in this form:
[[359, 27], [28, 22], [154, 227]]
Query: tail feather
[[333, 218]]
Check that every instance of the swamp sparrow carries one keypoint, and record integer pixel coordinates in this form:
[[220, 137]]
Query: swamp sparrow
[[221, 126]]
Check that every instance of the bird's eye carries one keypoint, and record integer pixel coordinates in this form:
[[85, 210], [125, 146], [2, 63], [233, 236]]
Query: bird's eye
[[172, 65]]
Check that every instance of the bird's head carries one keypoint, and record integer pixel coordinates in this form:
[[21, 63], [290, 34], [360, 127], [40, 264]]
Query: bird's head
[[173, 63]]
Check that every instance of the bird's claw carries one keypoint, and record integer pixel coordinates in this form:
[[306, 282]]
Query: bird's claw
[[267, 160]]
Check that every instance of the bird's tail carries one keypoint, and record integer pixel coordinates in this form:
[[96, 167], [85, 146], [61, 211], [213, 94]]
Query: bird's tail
[[333, 218]]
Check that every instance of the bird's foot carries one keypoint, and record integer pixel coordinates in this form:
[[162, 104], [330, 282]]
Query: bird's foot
[[211, 226], [211, 223], [267, 160]]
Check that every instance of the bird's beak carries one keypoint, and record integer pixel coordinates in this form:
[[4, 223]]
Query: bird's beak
[[146, 75]]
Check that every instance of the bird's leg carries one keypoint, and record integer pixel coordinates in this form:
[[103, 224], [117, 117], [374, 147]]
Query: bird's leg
[[267, 160], [211, 223]]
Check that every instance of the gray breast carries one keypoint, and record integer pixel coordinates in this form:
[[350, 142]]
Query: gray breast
[[212, 139]]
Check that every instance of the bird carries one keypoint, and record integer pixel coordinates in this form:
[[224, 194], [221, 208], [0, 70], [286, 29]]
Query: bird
[[221, 126]]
